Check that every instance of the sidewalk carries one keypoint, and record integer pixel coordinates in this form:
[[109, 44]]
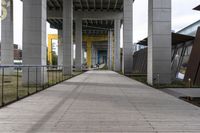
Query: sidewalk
[[100, 101]]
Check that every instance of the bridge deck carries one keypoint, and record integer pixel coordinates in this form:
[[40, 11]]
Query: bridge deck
[[100, 101]]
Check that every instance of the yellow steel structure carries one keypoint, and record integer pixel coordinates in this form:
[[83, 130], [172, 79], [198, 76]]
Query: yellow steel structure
[[50, 38], [89, 40], [89, 53]]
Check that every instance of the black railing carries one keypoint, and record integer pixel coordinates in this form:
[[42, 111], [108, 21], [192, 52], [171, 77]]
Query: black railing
[[18, 82]]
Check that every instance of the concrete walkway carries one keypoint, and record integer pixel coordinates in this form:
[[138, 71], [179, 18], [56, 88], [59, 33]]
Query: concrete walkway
[[100, 101]]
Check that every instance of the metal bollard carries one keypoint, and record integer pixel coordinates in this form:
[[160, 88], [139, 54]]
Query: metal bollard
[[158, 80], [2, 87], [189, 82]]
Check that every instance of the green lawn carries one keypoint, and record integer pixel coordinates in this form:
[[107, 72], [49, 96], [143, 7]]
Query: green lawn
[[174, 84]]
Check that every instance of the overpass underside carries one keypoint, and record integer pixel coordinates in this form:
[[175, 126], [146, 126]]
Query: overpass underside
[[91, 18]]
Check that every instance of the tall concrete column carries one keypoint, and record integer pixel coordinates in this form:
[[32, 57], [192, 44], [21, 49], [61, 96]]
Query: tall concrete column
[[78, 60], [108, 52], [93, 55], [128, 37], [110, 37], [96, 56], [60, 47], [7, 56], [68, 36], [159, 42], [117, 54], [83, 53], [34, 39]]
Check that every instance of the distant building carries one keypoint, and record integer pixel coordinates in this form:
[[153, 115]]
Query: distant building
[[17, 52]]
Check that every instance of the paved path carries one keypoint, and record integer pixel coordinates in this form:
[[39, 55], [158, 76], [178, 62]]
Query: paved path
[[100, 101]]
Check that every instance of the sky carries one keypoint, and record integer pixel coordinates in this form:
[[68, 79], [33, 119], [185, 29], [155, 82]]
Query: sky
[[182, 16]]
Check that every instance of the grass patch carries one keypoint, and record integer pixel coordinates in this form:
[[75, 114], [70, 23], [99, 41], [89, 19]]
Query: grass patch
[[139, 77], [175, 84], [11, 90]]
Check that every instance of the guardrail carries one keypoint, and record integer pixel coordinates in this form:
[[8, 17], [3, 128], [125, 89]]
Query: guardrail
[[18, 82]]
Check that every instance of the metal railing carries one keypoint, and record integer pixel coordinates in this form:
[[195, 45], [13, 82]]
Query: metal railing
[[18, 82]]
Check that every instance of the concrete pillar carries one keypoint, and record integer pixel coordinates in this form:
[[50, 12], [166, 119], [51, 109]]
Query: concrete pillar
[[60, 47], [159, 42], [83, 58], [117, 58], [108, 52], [68, 36], [7, 56], [110, 37], [93, 56], [128, 37], [34, 40], [96, 56], [78, 60]]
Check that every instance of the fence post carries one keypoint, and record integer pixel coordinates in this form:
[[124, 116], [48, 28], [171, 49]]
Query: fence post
[[36, 79], [59, 73], [17, 84], [52, 76], [43, 78], [56, 74], [48, 75], [28, 81], [62, 74], [3, 86]]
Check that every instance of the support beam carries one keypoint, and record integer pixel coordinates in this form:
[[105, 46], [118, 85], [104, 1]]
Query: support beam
[[7, 56], [60, 47], [85, 15], [159, 42], [128, 37], [34, 40], [117, 54], [68, 36], [78, 60]]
